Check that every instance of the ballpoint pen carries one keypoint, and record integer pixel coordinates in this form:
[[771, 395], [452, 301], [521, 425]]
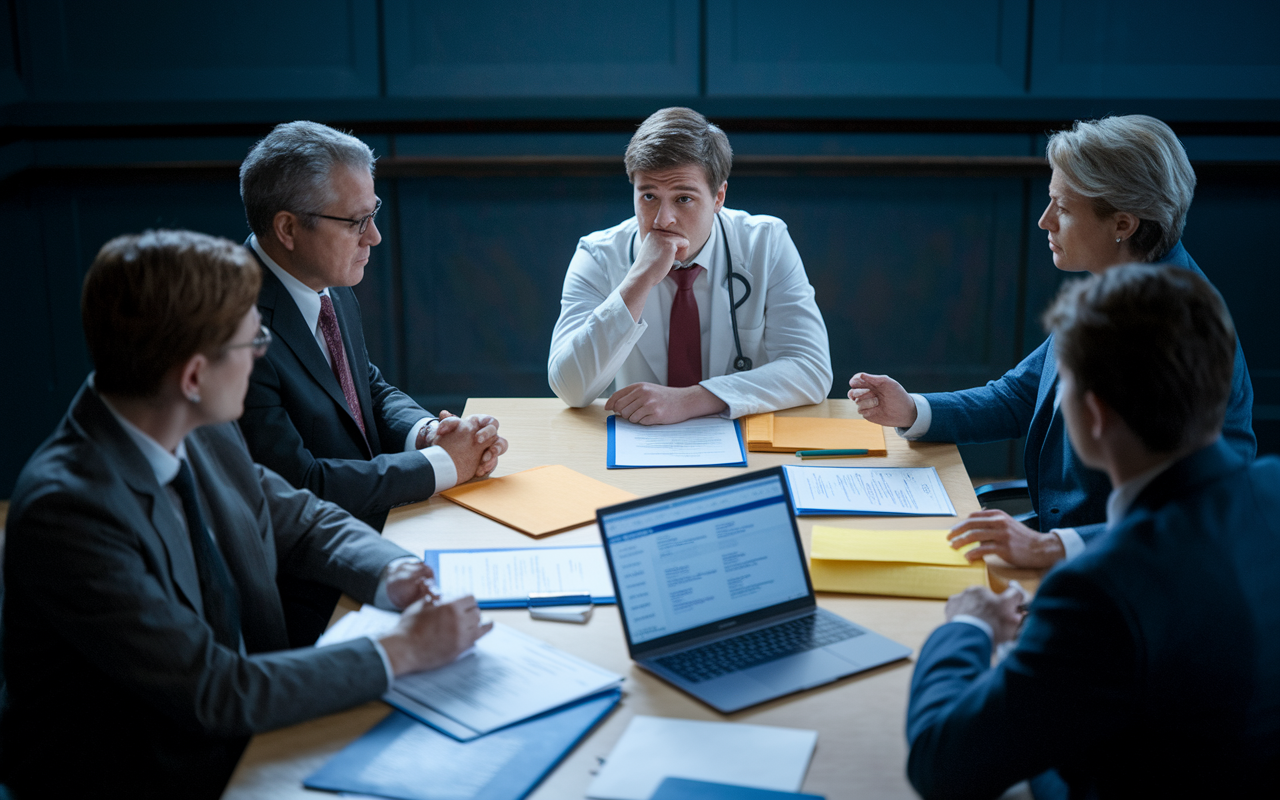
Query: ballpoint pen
[[830, 453]]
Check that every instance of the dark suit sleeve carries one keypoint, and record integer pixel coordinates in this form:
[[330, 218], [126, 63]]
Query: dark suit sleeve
[[998, 411], [102, 591], [1091, 532], [367, 488], [319, 541], [974, 731]]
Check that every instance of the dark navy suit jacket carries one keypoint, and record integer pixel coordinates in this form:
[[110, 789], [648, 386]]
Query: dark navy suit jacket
[[1147, 667], [296, 419], [1064, 492]]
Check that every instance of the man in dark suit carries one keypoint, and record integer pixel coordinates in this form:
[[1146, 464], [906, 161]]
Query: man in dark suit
[[1148, 665], [318, 412], [144, 636]]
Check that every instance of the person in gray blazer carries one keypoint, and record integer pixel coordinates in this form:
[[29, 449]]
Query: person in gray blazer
[[144, 635]]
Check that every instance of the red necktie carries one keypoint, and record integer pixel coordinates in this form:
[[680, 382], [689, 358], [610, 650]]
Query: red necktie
[[684, 332], [338, 360]]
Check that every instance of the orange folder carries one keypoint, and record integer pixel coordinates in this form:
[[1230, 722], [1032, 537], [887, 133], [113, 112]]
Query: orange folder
[[769, 433], [538, 501]]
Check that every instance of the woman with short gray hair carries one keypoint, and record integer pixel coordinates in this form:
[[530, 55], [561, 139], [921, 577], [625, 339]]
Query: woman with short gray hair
[[1119, 193]]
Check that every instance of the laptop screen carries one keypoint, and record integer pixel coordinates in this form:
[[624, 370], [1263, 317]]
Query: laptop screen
[[697, 558]]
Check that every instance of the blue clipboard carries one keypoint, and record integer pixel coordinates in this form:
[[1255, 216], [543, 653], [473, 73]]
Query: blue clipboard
[[432, 559], [844, 512], [612, 455]]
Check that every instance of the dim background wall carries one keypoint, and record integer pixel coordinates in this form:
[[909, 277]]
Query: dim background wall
[[902, 144]]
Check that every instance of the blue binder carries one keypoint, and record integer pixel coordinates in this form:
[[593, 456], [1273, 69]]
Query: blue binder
[[685, 789], [402, 758]]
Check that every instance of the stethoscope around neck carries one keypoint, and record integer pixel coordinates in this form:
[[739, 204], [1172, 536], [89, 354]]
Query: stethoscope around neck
[[741, 363]]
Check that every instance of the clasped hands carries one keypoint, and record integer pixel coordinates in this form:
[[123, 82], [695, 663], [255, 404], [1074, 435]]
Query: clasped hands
[[472, 442], [1004, 612], [430, 633], [652, 404]]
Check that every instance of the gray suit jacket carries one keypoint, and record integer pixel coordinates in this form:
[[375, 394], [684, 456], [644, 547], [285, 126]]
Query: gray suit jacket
[[114, 677]]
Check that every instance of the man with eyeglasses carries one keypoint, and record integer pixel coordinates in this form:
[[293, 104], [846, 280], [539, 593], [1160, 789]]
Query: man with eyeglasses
[[318, 412]]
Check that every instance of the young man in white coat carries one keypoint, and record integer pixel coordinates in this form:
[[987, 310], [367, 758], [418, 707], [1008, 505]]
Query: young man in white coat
[[688, 309]]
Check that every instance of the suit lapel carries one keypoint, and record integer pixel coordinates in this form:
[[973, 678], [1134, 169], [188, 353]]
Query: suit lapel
[[1042, 422], [99, 425], [280, 313], [239, 540], [653, 345]]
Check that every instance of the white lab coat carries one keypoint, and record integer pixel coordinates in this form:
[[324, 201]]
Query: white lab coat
[[597, 346]]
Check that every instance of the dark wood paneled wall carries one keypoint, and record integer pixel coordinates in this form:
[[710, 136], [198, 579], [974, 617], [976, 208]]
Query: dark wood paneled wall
[[902, 147]]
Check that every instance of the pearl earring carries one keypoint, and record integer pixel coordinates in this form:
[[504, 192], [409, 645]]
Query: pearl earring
[[1119, 239], [194, 398]]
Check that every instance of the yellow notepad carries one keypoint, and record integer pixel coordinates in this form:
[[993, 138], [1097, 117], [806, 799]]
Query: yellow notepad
[[770, 433], [538, 501], [900, 563]]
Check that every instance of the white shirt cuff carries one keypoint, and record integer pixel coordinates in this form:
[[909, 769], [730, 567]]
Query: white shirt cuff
[[380, 598], [980, 624], [924, 418], [386, 662], [1072, 542], [446, 472], [411, 441]]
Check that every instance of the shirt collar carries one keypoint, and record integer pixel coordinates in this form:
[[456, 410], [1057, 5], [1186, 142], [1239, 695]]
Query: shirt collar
[[306, 298], [1121, 498], [163, 463], [710, 251]]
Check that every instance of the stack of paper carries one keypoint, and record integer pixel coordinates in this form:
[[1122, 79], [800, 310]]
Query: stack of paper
[[507, 677], [538, 501], [909, 491], [652, 749], [901, 563], [770, 433]]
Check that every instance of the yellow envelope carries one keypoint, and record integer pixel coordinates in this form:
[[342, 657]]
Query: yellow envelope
[[538, 501], [889, 562], [770, 433]]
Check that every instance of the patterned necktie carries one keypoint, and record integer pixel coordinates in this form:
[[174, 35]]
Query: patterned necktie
[[684, 332], [338, 360], [221, 600]]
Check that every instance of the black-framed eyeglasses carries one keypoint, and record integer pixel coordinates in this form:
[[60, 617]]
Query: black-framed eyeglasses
[[362, 223], [259, 343]]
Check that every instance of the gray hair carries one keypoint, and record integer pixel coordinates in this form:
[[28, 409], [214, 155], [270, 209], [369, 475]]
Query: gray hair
[[1133, 164], [676, 137], [289, 171]]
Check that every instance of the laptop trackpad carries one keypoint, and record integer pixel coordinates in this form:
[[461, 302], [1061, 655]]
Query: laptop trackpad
[[801, 670]]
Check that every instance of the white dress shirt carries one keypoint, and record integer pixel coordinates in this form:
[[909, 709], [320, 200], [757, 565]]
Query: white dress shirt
[[308, 302]]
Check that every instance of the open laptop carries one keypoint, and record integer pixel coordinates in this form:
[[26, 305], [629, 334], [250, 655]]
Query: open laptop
[[716, 598]]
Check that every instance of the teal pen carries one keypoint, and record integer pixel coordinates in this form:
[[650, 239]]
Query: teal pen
[[830, 453]]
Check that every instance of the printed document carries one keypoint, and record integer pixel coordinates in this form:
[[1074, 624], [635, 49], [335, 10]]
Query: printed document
[[506, 578], [868, 490], [505, 678], [701, 442]]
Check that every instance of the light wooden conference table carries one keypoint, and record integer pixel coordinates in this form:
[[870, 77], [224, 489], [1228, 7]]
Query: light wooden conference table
[[860, 720]]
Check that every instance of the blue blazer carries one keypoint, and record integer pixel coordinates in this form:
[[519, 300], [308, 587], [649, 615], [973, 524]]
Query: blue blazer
[[1147, 667], [296, 419], [1064, 492]]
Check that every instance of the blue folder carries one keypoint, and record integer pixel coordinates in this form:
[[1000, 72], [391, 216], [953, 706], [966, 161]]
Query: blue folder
[[612, 456], [402, 758], [685, 789]]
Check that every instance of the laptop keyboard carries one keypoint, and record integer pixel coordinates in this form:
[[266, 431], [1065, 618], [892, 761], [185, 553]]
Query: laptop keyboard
[[758, 647]]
